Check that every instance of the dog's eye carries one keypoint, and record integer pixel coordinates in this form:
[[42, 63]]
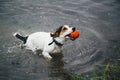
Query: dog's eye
[[65, 28]]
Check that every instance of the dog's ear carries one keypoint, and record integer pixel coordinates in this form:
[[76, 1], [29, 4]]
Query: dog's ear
[[57, 32]]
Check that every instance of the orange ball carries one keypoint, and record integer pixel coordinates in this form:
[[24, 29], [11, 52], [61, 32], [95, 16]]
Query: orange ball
[[75, 34]]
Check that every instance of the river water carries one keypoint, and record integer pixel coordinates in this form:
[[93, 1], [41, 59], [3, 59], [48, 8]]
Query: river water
[[97, 20]]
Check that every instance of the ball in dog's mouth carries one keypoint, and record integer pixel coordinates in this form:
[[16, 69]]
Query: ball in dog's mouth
[[73, 35]]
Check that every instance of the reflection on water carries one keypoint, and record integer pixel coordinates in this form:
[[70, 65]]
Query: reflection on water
[[56, 66], [97, 20]]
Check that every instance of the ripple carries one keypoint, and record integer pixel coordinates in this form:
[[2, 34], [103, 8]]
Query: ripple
[[97, 21]]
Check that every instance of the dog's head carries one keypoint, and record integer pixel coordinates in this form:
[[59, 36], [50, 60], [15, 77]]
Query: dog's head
[[63, 31]]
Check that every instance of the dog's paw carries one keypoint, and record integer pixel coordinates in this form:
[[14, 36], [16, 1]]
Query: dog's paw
[[49, 58], [47, 55]]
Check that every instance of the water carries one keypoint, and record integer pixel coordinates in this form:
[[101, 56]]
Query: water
[[97, 20]]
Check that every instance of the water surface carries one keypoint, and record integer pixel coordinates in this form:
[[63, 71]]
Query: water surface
[[97, 20]]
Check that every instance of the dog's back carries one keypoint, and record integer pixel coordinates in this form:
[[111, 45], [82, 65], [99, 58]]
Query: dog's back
[[38, 40]]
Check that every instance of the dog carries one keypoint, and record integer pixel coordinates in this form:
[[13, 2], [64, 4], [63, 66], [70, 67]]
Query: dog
[[46, 41]]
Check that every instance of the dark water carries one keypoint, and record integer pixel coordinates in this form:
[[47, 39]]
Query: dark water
[[98, 21]]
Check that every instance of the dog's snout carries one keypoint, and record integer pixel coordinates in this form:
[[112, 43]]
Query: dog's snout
[[73, 28]]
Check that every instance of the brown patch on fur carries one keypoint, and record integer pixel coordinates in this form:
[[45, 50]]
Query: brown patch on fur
[[57, 32], [60, 31], [64, 29]]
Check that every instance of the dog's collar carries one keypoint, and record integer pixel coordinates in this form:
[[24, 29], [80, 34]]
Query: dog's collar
[[56, 42]]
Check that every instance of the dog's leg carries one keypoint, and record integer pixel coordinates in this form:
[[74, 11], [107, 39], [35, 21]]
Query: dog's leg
[[23, 46], [34, 51], [46, 55]]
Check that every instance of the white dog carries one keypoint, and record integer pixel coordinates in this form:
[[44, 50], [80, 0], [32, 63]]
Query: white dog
[[46, 41]]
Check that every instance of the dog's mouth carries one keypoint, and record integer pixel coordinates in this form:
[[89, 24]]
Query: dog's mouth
[[68, 37]]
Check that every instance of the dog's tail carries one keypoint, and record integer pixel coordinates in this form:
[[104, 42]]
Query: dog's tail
[[17, 35]]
